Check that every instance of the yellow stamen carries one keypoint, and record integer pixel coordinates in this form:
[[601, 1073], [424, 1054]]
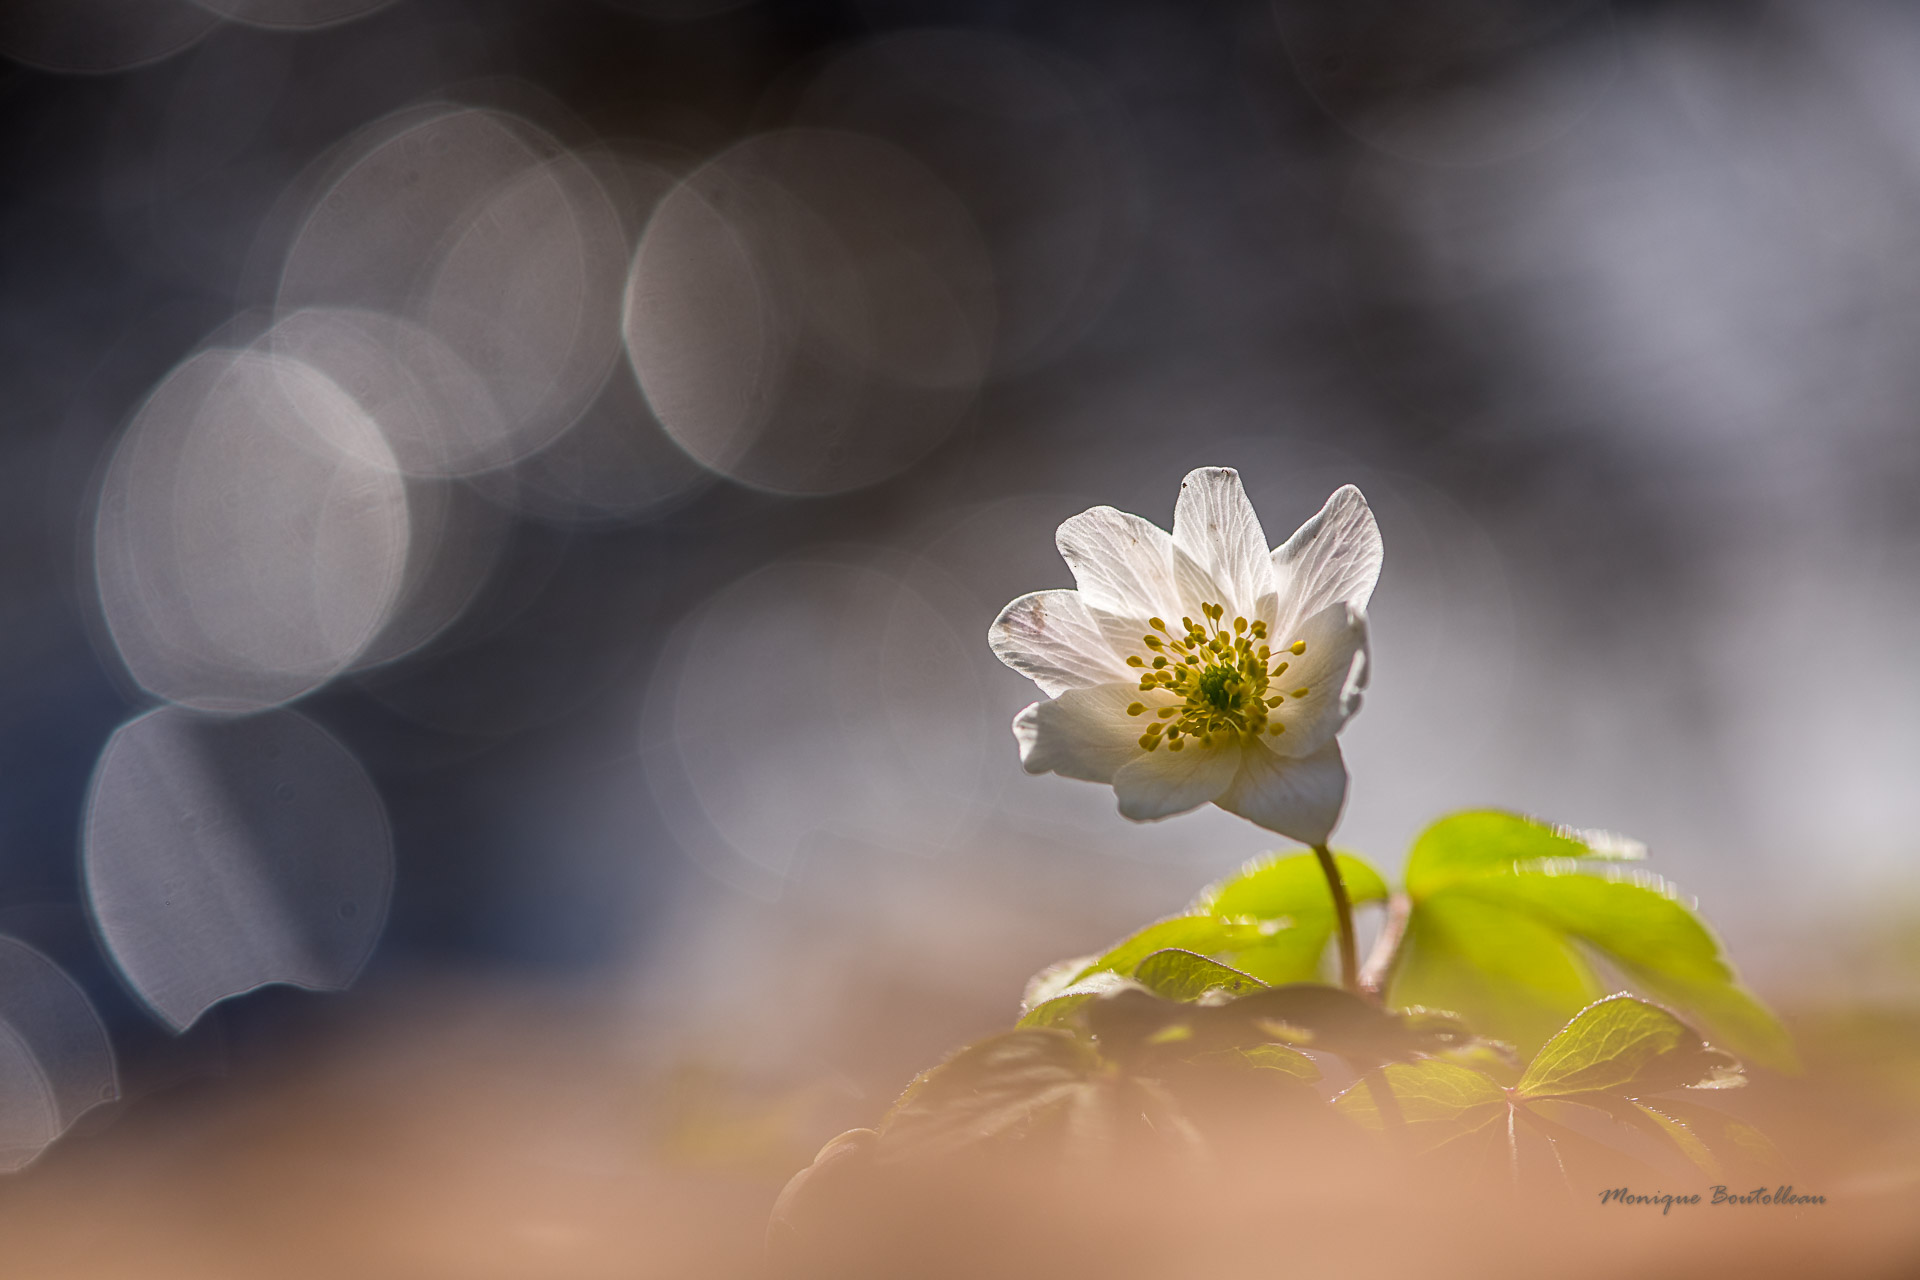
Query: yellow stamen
[[1219, 674]]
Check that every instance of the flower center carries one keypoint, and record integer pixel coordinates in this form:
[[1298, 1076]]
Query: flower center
[[1221, 675]]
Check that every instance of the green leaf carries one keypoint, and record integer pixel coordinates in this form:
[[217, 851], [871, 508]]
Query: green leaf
[[1271, 887], [1131, 1024], [1621, 1046], [1502, 907], [1603, 1060], [1637, 921], [1509, 976], [1487, 841], [1337, 1021], [1739, 1148], [1272, 920], [1429, 1103], [1662, 1124], [1488, 1057], [1203, 935], [996, 1088], [1583, 1159], [1062, 1010], [1292, 889], [1052, 980], [1267, 1057], [1183, 975]]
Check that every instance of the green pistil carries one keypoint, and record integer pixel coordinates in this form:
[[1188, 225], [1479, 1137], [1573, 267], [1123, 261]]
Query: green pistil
[[1219, 673]]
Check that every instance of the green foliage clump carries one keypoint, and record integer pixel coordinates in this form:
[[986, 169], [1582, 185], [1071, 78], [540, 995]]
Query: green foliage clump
[[1533, 1003]]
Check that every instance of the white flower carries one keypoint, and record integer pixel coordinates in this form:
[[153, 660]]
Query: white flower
[[1200, 666]]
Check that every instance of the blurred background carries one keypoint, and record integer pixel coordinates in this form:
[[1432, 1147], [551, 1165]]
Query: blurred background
[[501, 504]]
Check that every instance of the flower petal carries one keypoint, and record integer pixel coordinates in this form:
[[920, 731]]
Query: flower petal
[[1301, 798], [1083, 733], [1122, 563], [1161, 783], [1215, 525], [1051, 638], [1332, 558], [1333, 669]]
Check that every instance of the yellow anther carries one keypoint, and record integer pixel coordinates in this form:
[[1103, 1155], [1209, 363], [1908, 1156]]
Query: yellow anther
[[1281, 668], [1277, 729], [1174, 744], [1298, 647], [1301, 692], [1219, 676]]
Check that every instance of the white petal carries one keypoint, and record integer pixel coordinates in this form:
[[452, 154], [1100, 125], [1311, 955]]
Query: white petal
[[1215, 525], [1333, 670], [1083, 733], [1161, 783], [1332, 558], [1301, 798], [1051, 638], [1122, 563]]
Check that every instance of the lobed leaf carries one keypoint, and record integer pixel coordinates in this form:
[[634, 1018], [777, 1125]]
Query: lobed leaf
[[1621, 1046], [995, 1088], [1272, 920], [1062, 1009], [1429, 1103], [1640, 924], [1275, 886], [1174, 974], [1502, 907], [1482, 842], [1269, 1057], [1508, 975], [1131, 1023]]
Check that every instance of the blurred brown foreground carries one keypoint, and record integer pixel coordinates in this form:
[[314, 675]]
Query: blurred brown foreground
[[482, 1132]]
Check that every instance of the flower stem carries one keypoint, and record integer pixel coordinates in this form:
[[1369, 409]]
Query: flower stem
[[1343, 912]]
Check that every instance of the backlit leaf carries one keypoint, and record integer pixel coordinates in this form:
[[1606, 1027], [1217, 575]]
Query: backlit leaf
[[1622, 1046], [1272, 920], [1183, 975], [1428, 1103], [1509, 976], [1482, 842], [996, 1088], [1503, 908]]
